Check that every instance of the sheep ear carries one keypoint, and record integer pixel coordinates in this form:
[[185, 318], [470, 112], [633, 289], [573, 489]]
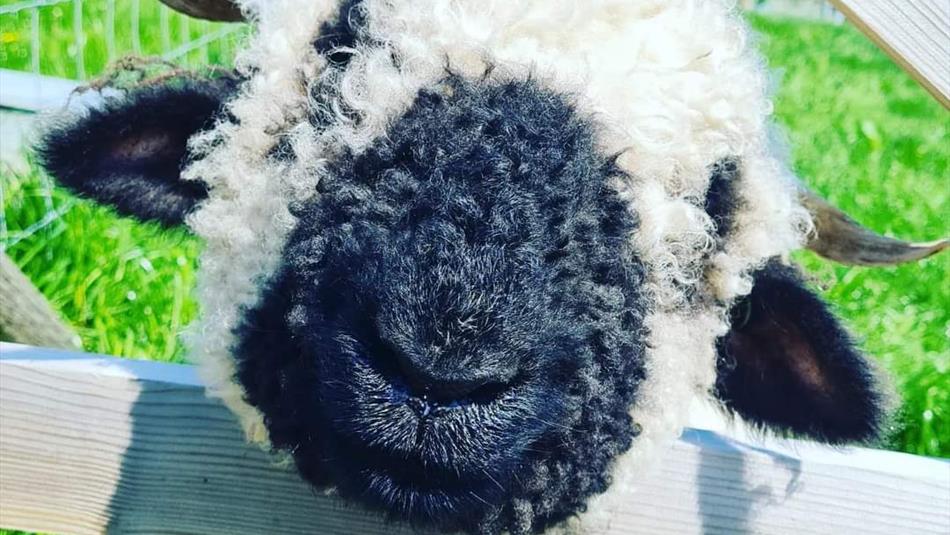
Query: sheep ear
[[787, 363], [129, 152]]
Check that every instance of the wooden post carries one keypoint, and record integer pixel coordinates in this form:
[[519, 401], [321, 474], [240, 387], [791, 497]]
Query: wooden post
[[92, 444], [915, 33], [25, 316]]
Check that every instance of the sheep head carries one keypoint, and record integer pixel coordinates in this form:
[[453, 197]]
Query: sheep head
[[468, 266]]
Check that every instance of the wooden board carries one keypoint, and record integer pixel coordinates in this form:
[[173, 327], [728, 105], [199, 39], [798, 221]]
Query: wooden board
[[915, 33], [92, 444], [26, 316]]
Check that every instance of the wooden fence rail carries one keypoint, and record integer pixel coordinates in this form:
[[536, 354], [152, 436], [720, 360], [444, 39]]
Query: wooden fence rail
[[25, 316], [915, 33], [93, 444]]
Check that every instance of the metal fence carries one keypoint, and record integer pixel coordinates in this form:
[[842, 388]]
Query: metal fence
[[78, 38]]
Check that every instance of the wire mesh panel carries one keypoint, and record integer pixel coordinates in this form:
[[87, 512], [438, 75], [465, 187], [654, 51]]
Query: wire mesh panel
[[78, 40]]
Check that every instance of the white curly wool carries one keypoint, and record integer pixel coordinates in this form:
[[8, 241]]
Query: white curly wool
[[673, 83], [245, 220]]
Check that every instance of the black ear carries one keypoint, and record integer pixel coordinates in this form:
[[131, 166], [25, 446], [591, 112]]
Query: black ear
[[787, 363], [129, 152]]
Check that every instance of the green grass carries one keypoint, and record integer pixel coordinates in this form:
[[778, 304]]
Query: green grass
[[863, 134], [125, 286], [160, 31]]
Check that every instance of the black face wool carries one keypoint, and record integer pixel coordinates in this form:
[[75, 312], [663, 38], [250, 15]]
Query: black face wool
[[455, 336], [787, 363], [129, 153]]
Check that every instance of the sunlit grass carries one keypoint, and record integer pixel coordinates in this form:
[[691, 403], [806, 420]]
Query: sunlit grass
[[107, 33], [124, 286]]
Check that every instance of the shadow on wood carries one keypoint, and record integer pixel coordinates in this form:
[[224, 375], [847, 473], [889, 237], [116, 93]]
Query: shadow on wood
[[181, 468], [717, 471]]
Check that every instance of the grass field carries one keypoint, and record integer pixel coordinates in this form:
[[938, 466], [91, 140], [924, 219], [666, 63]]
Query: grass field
[[863, 134]]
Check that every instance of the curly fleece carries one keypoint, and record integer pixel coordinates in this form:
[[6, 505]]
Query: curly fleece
[[482, 224], [672, 84]]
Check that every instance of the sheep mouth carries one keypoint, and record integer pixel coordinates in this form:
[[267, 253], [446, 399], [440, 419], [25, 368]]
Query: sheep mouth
[[441, 464], [421, 502], [418, 488], [380, 426]]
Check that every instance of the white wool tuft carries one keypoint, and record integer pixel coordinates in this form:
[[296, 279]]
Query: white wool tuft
[[673, 84]]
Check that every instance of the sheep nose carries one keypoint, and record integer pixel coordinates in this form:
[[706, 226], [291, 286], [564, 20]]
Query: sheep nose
[[439, 383]]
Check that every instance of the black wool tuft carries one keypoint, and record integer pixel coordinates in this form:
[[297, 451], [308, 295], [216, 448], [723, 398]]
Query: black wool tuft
[[341, 33], [335, 41], [129, 153], [455, 336], [722, 198]]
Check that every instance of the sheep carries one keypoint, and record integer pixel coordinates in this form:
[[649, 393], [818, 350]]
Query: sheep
[[467, 263]]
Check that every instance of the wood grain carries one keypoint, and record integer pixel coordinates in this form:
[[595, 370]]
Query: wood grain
[[25, 316], [915, 33], [92, 444]]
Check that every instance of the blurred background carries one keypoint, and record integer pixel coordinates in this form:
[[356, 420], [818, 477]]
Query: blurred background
[[862, 133]]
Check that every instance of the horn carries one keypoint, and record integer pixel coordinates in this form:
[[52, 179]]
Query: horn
[[219, 10], [842, 239]]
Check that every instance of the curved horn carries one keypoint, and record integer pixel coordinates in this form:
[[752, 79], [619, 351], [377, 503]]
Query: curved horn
[[842, 239], [220, 10]]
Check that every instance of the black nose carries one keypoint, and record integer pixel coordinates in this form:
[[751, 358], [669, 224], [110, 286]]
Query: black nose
[[445, 380]]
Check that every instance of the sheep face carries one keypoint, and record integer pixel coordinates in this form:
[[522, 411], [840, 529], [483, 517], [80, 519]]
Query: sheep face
[[469, 267], [458, 320]]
